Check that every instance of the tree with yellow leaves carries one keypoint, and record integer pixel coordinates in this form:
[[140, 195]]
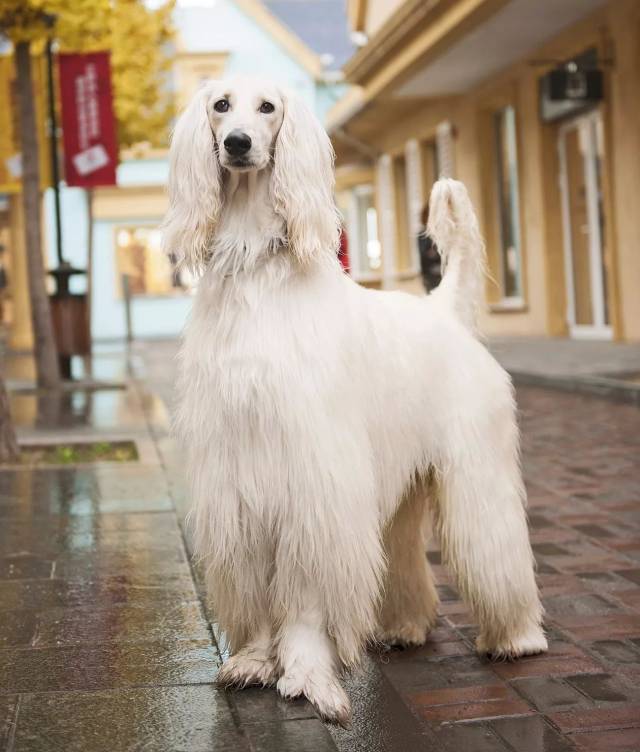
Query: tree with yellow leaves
[[24, 22], [140, 65], [138, 39]]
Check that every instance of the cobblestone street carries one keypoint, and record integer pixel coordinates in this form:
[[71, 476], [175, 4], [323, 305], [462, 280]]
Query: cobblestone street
[[106, 644]]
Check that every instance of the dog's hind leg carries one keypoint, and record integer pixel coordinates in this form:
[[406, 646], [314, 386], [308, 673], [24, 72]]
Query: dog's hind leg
[[410, 600], [482, 524]]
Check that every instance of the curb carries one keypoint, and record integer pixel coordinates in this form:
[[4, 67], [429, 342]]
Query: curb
[[88, 385], [612, 389]]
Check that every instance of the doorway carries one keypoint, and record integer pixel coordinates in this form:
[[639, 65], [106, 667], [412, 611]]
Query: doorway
[[581, 152]]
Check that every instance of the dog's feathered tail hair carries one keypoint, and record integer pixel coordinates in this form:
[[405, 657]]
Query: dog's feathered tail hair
[[453, 227]]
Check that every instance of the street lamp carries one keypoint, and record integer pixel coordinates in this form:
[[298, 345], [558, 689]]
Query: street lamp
[[68, 311]]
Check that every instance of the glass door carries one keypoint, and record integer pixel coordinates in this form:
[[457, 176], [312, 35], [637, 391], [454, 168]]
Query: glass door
[[581, 151]]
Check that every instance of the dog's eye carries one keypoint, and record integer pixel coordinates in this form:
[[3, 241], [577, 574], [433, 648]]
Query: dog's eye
[[266, 108], [222, 105]]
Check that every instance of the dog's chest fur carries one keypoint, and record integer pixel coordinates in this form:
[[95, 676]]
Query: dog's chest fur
[[256, 361]]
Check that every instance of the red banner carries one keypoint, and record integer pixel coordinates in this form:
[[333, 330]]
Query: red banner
[[88, 123]]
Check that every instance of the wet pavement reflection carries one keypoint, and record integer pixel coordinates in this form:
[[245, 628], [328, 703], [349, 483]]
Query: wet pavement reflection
[[97, 402], [195, 717], [107, 642], [95, 410]]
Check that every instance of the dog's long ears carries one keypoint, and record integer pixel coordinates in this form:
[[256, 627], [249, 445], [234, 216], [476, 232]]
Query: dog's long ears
[[194, 186], [302, 183]]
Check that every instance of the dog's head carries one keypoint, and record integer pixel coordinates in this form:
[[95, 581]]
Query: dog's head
[[243, 125]]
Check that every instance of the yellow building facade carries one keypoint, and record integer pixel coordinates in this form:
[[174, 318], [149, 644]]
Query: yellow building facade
[[461, 87]]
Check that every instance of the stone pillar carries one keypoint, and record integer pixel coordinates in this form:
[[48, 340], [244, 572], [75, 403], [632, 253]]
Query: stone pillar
[[625, 144], [415, 197], [446, 150], [387, 220]]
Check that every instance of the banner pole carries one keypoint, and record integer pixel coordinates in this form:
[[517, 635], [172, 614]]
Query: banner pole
[[55, 170]]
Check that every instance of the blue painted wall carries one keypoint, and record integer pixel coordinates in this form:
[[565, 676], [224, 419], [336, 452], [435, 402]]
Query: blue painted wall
[[152, 316], [226, 28], [251, 51]]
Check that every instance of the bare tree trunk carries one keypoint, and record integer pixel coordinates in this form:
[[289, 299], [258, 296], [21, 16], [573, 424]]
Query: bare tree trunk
[[46, 355], [9, 451]]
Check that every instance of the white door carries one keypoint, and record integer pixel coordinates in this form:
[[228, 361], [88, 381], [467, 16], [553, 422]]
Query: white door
[[581, 150]]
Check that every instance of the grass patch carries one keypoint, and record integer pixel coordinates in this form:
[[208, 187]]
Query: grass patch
[[74, 454]]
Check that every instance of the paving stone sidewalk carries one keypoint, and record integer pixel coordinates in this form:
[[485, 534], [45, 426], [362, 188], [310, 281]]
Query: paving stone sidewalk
[[106, 643], [566, 358], [610, 369]]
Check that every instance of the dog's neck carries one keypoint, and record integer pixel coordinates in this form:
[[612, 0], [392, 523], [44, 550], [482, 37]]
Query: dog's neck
[[248, 230]]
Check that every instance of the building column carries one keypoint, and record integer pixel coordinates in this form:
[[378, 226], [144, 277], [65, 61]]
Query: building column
[[21, 334], [542, 278], [625, 142], [415, 197], [446, 150], [384, 179]]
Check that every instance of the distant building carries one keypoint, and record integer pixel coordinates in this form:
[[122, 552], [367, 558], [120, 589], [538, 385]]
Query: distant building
[[533, 104], [301, 45], [321, 24]]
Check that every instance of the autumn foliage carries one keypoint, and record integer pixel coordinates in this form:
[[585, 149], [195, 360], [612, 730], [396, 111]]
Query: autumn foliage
[[139, 39]]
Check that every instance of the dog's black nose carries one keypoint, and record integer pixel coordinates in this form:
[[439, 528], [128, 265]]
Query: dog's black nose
[[237, 143]]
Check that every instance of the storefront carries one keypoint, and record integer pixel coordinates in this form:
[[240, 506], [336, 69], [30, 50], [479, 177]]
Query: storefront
[[462, 88]]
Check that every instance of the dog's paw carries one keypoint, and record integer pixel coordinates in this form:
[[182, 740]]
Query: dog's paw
[[246, 668], [530, 642], [406, 635], [323, 691]]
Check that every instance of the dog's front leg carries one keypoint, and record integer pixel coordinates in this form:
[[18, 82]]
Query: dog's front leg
[[309, 661], [239, 593], [254, 663]]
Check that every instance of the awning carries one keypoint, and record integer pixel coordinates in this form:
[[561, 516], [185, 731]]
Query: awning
[[441, 48]]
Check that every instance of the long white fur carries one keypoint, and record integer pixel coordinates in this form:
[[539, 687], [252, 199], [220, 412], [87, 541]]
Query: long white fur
[[326, 423]]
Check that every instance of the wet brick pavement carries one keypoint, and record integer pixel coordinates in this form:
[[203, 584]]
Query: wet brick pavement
[[106, 645]]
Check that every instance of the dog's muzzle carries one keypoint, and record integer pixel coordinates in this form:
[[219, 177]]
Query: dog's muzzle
[[237, 143]]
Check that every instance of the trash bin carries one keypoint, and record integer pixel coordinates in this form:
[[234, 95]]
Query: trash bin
[[70, 318]]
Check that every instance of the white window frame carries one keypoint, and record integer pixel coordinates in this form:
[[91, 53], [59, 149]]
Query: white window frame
[[508, 302], [599, 329], [354, 239]]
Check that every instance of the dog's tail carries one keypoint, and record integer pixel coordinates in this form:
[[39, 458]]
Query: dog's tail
[[453, 227]]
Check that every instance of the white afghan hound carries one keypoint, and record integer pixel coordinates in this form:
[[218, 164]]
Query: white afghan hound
[[328, 426]]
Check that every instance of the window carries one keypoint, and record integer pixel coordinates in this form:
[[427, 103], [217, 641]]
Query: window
[[368, 245], [508, 203], [150, 271]]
